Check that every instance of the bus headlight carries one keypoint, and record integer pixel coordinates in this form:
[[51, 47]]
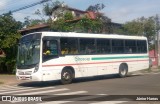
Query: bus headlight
[[36, 68]]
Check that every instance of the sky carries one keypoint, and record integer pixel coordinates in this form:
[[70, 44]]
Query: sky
[[119, 11]]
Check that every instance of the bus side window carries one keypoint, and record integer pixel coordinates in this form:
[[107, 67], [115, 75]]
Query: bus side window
[[69, 46], [53, 48], [73, 51], [64, 51], [50, 49], [46, 50], [128, 50], [87, 46], [88, 50], [103, 46]]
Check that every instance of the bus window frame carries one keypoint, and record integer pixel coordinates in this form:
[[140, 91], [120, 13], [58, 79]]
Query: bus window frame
[[50, 38]]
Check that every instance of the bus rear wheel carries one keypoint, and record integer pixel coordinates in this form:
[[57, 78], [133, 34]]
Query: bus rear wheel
[[123, 70], [66, 76]]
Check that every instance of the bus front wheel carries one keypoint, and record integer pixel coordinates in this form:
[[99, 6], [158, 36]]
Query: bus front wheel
[[123, 70], [66, 76]]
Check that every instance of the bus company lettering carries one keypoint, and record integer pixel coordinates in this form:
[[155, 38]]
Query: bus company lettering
[[81, 59]]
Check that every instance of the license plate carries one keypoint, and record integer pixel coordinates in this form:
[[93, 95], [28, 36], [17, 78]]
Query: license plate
[[23, 77]]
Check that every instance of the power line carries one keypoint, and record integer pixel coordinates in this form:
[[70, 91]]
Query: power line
[[28, 6]]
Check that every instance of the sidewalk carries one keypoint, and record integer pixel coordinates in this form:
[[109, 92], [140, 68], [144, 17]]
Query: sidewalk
[[145, 71], [152, 69], [11, 79]]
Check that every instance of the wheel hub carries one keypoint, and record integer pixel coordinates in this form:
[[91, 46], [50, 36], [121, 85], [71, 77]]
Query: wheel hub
[[123, 71], [66, 76]]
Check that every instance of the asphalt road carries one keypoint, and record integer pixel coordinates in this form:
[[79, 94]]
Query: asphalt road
[[94, 90]]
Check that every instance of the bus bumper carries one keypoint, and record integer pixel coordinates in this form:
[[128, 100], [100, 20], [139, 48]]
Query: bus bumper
[[33, 77]]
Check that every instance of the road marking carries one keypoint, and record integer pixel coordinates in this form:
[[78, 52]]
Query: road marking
[[15, 88], [71, 99], [7, 86], [72, 93], [109, 102], [83, 98], [42, 92], [55, 102], [34, 89]]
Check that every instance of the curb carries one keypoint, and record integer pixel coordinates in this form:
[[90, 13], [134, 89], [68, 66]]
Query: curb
[[146, 71]]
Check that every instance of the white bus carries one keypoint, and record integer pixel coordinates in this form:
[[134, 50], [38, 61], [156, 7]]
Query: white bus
[[45, 56]]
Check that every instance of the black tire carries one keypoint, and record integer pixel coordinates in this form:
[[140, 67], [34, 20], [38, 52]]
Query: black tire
[[66, 76], [123, 70]]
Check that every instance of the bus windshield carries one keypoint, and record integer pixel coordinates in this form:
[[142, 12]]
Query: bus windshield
[[28, 54]]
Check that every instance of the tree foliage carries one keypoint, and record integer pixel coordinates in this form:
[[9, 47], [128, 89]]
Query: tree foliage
[[48, 7], [96, 7], [61, 24], [88, 25], [140, 27], [32, 22], [8, 39], [67, 24], [104, 20]]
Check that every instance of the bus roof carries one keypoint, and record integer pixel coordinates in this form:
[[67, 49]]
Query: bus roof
[[90, 35]]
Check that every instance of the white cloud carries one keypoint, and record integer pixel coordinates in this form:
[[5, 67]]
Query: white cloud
[[121, 13], [3, 4], [20, 15]]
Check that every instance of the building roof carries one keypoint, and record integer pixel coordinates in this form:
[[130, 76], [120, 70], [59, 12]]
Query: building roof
[[34, 27], [67, 7], [91, 15], [74, 9]]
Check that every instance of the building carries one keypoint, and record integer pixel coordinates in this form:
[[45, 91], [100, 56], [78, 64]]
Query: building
[[60, 10], [36, 28]]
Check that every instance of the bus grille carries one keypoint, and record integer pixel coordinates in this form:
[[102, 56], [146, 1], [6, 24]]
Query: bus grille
[[25, 73]]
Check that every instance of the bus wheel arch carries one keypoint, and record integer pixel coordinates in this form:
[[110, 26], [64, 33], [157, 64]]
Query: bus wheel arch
[[123, 70], [67, 75]]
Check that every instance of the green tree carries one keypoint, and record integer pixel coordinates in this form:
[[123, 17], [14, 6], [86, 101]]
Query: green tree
[[62, 24], [49, 7], [8, 40], [140, 27], [32, 22], [47, 11], [67, 24], [88, 25], [104, 20], [96, 7]]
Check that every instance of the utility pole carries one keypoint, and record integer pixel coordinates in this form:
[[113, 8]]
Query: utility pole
[[158, 48], [157, 38]]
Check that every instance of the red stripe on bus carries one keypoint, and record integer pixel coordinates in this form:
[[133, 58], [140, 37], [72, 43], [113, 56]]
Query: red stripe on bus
[[90, 63]]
